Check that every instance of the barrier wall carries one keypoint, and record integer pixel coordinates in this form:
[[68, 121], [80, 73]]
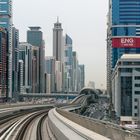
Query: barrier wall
[[106, 129], [64, 129], [55, 130]]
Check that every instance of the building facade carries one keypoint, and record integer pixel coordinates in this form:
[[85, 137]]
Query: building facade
[[15, 61], [58, 49], [58, 76], [35, 69], [25, 54], [50, 72], [68, 64], [58, 54], [35, 38], [81, 77], [21, 88], [126, 88], [6, 22], [47, 83], [3, 64], [123, 33], [74, 71]]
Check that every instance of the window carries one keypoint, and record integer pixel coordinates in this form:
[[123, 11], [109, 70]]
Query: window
[[136, 114], [126, 96], [127, 63], [137, 92], [137, 69], [137, 78], [137, 85], [126, 70], [136, 107], [136, 99]]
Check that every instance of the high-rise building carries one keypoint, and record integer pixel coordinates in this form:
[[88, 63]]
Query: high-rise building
[[47, 83], [35, 38], [15, 61], [58, 77], [50, 70], [123, 34], [58, 54], [25, 54], [3, 64], [6, 22], [58, 48], [82, 77], [74, 71], [35, 69], [68, 64], [20, 77]]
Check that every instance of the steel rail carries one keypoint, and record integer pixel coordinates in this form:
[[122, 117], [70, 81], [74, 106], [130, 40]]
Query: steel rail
[[23, 130], [39, 127]]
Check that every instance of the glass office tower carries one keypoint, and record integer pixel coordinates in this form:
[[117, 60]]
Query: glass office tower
[[68, 63], [125, 28], [123, 34], [35, 38]]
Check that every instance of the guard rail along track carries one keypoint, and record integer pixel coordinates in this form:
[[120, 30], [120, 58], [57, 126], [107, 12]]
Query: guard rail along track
[[70, 126]]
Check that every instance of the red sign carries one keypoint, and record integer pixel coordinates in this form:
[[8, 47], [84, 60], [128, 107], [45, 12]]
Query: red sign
[[126, 42]]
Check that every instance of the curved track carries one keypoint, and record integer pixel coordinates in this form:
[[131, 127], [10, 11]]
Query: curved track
[[24, 126], [40, 127]]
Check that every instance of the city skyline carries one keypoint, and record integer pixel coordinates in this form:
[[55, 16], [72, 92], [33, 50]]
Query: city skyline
[[87, 28], [69, 69]]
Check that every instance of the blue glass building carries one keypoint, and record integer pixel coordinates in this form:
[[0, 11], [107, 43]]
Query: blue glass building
[[68, 51], [68, 63], [125, 23], [35, 38]]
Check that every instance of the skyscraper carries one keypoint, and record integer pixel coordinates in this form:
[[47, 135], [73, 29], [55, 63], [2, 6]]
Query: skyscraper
[[58, 54], [20, 78], [35, 38], [50, 72], [68, 63], [123, 34], [58, 49], [58, 76], [6, 22], [35, 69], [82, 76], [15, 61], [25, 54], [3, 64], [74, 71]]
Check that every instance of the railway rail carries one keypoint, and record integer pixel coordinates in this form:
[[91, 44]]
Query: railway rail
[[17, 125]]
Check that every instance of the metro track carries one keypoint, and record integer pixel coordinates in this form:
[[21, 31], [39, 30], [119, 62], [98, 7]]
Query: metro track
[[27, 125], [19, 126], [7, 121], [27, 129]]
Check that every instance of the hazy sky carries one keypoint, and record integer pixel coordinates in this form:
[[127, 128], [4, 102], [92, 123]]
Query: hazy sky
[[83, 20]]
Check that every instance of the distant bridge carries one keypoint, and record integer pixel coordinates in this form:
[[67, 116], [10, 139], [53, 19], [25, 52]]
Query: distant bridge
[[49, 95]]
